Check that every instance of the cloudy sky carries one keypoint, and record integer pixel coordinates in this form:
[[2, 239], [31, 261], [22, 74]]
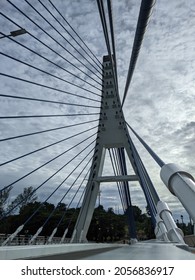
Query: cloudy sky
[[159, 104]]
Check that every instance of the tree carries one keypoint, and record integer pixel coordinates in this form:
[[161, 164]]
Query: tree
[[136, 212], [61, 207], [110, 210], [28, 196], [106, 226], [4, 195]]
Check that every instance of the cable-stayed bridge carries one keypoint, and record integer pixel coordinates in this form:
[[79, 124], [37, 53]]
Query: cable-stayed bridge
[[63, 131]]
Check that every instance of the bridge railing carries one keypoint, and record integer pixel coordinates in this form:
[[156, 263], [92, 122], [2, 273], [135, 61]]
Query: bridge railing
[[22, 240]]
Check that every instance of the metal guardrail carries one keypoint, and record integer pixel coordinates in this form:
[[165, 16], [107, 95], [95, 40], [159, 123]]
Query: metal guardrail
[[22, 240]]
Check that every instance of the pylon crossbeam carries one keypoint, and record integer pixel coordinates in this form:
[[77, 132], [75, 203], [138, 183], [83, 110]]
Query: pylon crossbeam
[[121, 178]]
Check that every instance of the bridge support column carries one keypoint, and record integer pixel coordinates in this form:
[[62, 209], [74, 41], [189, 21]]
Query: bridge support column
[[112, 136], [174, 233], [180, 184], [86, 213]]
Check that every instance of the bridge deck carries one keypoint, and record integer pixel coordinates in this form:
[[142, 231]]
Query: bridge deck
[[145, 251], [152, 250]]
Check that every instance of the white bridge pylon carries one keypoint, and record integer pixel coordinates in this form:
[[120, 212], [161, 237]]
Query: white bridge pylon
[[112, 133]]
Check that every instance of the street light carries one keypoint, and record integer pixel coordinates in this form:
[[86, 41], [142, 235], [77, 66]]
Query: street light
[[182, 222], [15, 33]]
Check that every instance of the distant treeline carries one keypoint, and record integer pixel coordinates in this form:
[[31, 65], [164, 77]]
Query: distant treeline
[[106, 225]]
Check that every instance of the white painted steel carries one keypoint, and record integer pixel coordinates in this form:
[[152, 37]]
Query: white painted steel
[[173, 232], [160, 229], [73, 236], [35, 235], [64, 235], [181, 184], [118, 178], [112, 133], [11, 237], [52, 235]]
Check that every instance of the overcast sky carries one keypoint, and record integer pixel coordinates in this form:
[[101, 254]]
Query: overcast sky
[[159, 104]]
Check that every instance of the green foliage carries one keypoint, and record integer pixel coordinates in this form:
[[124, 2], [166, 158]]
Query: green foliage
[[186, 228], [106, 226], [28, 196], [4, 195]]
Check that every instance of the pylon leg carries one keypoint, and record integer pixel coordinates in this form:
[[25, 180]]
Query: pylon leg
[[112, 133]]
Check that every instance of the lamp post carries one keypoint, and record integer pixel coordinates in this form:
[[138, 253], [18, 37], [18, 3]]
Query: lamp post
[[99, 195], [15, 33], [192, 226], [182, 222]]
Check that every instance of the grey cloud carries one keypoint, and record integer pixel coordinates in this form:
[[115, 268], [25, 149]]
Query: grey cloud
[[160, 101]]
